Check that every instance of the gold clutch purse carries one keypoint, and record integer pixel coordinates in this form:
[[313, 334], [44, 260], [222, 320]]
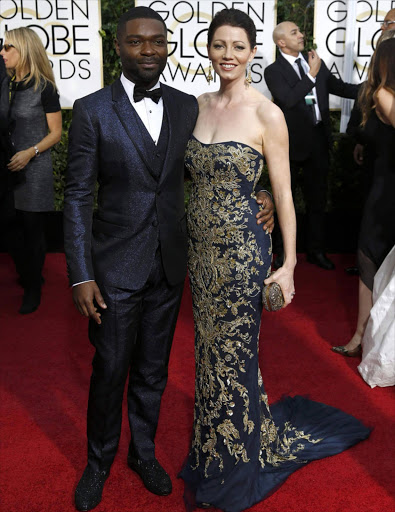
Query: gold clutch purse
[[272, 297]]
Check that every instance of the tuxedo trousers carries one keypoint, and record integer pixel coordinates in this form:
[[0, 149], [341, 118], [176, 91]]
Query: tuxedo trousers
[[314, 182], [134, 339]]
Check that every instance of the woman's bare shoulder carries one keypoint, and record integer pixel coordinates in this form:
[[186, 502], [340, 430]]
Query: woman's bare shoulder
[[205, 99], [268, 111]]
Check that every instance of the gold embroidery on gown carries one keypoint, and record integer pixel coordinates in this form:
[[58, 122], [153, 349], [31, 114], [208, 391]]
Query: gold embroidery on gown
[[241, 450], [229, 257]]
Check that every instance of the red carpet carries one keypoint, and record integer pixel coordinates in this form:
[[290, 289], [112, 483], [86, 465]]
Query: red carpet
[[45, 369]]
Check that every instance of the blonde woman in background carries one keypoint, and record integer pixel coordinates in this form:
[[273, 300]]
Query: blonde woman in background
[[30, 111]]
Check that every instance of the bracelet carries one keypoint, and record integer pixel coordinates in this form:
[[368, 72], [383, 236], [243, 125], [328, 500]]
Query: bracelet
[[37, 151]]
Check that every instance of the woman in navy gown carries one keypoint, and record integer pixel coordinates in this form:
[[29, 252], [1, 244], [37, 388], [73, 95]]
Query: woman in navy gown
[[242, 449]]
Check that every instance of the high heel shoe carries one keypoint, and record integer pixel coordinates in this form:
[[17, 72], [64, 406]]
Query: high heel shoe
[[349, 353]]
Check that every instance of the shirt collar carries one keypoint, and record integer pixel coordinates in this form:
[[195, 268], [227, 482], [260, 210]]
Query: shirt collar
[[291, 59], [129, 87]]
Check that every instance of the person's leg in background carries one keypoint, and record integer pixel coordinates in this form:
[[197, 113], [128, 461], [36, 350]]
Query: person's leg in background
[[315, 178], [28, 251]]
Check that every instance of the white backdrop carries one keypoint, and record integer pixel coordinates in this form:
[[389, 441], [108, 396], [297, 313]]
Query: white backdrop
[[331, 37], [187, 23], [69, 30]]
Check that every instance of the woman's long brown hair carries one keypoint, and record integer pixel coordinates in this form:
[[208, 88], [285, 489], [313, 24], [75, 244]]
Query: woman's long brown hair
[[381, 74]]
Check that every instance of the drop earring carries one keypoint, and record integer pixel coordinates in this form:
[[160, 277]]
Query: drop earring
[[248, 77], [209, 77]]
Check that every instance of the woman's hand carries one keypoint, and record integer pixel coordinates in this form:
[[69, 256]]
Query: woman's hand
[[20, 160], [284, 276]]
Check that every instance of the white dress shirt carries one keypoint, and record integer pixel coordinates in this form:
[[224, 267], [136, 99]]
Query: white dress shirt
[[292, 60], [150, 113]]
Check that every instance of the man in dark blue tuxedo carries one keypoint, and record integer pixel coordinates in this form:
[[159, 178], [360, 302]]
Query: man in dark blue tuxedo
[[127, 262], [301, 86]]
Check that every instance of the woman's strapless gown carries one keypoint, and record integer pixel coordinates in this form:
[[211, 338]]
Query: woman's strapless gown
[[241, 449]]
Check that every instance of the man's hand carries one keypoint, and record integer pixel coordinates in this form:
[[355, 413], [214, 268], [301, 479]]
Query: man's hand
[[83, 296], [314, 63], [20, 160], [266, 211], [358, 154]]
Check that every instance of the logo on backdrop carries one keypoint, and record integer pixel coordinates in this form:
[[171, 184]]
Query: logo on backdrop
[[187, 23], [331, 42], [69, 31]]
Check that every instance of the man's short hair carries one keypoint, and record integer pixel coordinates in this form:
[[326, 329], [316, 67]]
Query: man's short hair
[[137, 13]]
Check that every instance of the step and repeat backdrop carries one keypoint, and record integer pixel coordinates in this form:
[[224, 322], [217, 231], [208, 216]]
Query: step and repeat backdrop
[[187, 23], [346, 34], [345, 31]]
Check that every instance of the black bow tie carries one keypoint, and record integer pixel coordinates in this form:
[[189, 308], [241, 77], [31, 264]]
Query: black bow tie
[[140, 93]]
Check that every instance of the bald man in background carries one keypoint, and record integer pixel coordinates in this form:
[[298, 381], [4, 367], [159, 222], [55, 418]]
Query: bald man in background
[[300, 86]]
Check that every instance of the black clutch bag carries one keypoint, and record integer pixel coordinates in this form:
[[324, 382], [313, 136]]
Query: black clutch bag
[[272, 297]]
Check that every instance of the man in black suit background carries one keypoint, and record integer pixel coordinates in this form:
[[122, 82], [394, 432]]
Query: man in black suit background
[[301, 86], [127, 263]]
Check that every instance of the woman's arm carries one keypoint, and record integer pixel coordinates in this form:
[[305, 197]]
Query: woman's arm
[[276, 151], [20, 160], [386, 105]]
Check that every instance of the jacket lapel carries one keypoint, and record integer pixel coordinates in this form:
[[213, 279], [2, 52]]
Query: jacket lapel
[[172, 112], [292, 77], [288, 71], [131, 122]]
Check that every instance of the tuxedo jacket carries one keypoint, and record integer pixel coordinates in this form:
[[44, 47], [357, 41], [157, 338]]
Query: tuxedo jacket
[[137, 209], [289, 91]]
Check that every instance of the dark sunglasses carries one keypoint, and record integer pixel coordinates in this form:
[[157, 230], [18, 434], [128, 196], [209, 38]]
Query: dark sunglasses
[[8, 47]]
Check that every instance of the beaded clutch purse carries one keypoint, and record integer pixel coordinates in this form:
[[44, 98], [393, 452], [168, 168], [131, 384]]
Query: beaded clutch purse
[[272, 297]]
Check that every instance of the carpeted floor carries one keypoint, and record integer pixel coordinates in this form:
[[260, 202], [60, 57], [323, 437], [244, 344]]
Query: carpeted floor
[[44, 378]]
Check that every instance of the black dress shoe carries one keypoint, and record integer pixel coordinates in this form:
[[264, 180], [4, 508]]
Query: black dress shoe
[[154, 477], [279, 261], [31, 300], [320, 259], [90, 488]]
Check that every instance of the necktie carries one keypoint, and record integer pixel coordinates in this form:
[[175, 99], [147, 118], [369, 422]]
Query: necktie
[[140, 93], [302, 74], [300, 67]]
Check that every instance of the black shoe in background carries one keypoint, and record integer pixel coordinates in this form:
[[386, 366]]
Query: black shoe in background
[[320, 259], [90, 489], [31, 300], [154, 477]]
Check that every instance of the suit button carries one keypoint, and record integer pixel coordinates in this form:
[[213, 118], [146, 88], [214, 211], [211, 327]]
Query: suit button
[[155, 223], [157, 155]]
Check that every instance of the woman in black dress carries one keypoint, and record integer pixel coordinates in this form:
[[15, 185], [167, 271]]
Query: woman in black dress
[[377, 233], [30, 106]]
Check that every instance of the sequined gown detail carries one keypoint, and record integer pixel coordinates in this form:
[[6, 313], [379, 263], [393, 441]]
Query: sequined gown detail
[[241, 449]]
